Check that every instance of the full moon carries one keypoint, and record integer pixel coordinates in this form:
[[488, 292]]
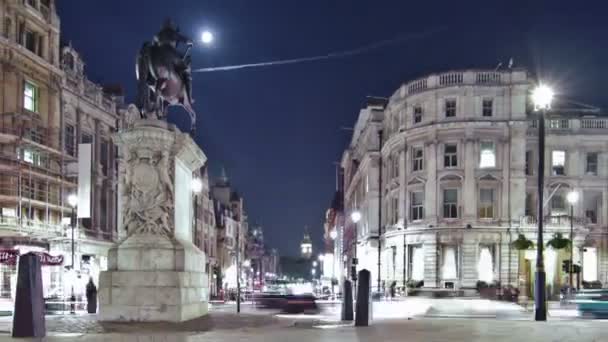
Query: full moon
[[207, 37]]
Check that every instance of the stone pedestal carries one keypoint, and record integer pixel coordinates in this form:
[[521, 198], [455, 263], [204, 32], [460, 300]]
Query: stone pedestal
[[156, 273]]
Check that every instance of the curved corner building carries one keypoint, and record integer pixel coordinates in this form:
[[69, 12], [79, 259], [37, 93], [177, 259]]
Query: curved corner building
[[459, 182]]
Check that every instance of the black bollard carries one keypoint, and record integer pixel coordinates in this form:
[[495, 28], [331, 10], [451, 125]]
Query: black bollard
[[347, 301], [363, 292], [28, 316]]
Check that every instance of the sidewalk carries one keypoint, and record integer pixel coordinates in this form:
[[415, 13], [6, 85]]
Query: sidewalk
[[239, 328]]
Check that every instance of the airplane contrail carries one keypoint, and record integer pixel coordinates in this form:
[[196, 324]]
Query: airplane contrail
[[340, 54]]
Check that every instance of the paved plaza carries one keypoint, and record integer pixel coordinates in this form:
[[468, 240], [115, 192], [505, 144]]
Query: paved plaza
[[410, 320]]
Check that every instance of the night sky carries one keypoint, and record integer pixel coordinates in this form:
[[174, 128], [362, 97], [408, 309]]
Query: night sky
[[276, 129]]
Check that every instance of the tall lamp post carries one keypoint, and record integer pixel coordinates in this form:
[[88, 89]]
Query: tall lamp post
[[572, 199], [73, 202], [355, 216], [542, 97], [333, 235], [379, 208]]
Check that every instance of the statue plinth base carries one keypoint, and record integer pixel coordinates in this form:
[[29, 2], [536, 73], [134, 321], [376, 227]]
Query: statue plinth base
[[156, 273], [153, 278]]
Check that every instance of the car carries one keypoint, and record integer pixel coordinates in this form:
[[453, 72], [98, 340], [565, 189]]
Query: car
[[592, 303]]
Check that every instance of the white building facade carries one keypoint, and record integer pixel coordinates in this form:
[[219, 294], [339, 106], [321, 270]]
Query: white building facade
[[459, 160]]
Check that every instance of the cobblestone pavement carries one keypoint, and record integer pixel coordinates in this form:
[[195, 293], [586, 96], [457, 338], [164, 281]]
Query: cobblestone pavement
[[422, 330]]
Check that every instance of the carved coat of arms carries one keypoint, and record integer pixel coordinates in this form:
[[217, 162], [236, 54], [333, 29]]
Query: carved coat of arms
[[148, 193]]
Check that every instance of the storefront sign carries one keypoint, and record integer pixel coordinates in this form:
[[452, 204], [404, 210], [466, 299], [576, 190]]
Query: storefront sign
[[9, 257], [49, 260]]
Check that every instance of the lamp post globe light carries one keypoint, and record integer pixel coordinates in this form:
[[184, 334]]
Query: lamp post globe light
[[196, 185], [321, 257], [333, 234], [73, 203], [542, 96], [355, 216], [572, 198]]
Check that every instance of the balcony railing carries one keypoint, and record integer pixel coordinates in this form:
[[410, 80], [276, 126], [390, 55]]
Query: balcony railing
[[467, 77], [585, 125], [31, 227], [555, 220]]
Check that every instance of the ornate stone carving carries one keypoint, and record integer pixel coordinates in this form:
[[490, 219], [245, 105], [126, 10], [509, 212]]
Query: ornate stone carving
[[148, 193], [131, 115]]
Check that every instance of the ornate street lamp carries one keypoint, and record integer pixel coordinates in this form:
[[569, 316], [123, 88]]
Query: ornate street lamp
[[542, 97]]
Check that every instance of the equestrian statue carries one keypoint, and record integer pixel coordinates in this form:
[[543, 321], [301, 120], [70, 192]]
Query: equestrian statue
[[163, 70]]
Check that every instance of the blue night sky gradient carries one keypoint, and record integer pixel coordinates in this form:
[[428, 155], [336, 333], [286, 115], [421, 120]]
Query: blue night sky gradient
[[276, 129]]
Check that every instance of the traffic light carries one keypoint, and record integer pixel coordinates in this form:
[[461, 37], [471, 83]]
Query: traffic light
[[566, 266]]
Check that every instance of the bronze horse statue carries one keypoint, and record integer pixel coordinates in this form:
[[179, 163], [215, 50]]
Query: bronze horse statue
[[163, 75]]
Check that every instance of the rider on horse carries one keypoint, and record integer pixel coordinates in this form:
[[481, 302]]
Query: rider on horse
[[164, 74], [170, 35]]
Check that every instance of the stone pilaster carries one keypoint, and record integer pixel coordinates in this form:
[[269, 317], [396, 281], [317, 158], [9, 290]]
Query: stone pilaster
[[469, 262], [430, 261], [430, 199], [469, 193]]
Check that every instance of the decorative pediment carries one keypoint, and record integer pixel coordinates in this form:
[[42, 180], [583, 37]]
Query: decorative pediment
[[416, 181], [451, 177], [561, 184], [488, 178]]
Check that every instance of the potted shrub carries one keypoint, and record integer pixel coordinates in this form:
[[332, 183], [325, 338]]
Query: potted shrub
[[558, 242], [521, 244]]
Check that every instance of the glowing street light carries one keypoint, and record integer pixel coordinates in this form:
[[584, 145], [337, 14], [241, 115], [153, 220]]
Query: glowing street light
[[355, 216], [333, 234], [321, 257], [313, 271], [246, 263], [207, 37], [572, 197], [196, 185], [73, 200], [314, 264], [542, 97]]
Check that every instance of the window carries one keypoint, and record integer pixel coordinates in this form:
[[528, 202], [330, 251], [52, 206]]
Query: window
[[7, 27], [529, 211], [528, 163], [86, 138], [417, 205], [417, 114], [450, 203], [30, 97], [487, 106], [487, 155], [486, 203], [417, 160], [103, 157], [69, 135], [450, 108], [558, 203], [394, 210], [591, 215], [30, 41], [558, 163], [450, 158], [591, 167], [31, 3]]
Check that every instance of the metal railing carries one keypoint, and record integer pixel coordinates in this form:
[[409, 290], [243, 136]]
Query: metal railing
[[571, 125], [555, 220]]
